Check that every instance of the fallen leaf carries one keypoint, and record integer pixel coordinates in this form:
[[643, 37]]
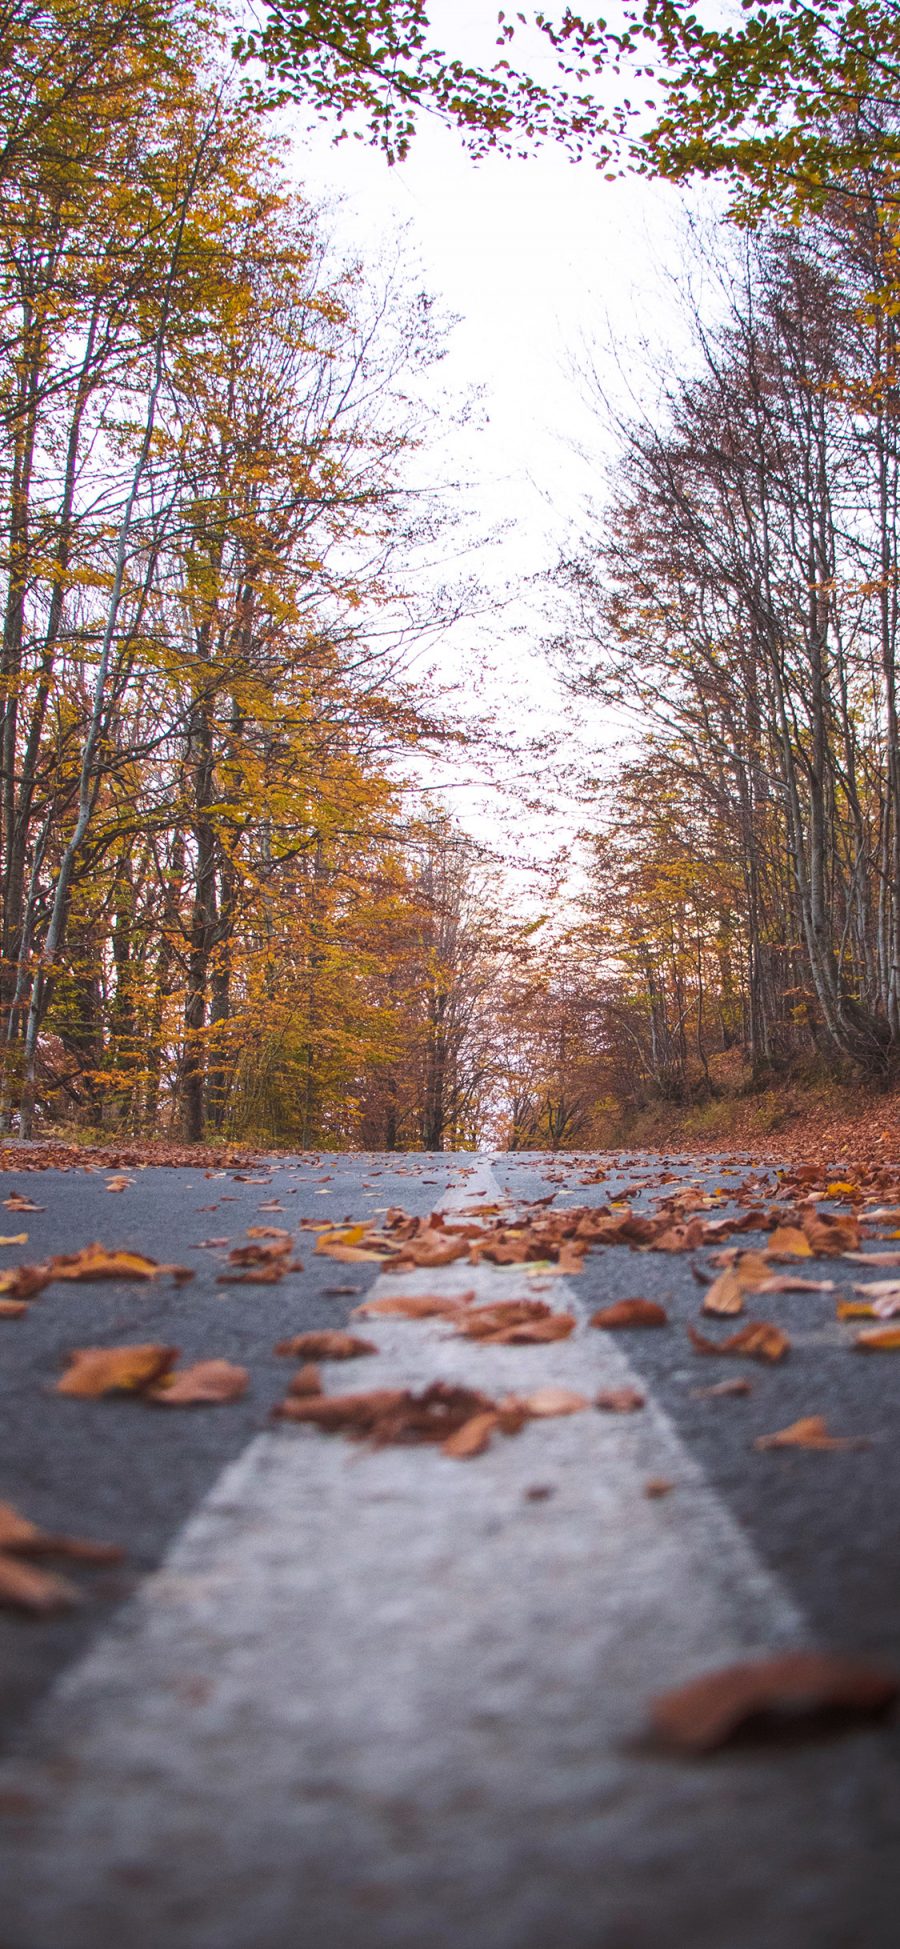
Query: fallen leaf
[[831, 1232], [883, 1296], [15, 1238], [548, 1401], [307, 1380], [25, 1588], [620, 1400], [99, 1262], [658, 1485], [386, 1415], [736, 1386], [93, 1371], [119, 1184], [515, 1323], [266, 1231], [726, 1294], [206, 1383], [24, 1281], [419, 1306], [811, 1431], [12, 1309], [630, 1312], [326, 1344], [878, 1339], [788, 1242], [25, 1538], [789, 1686], [472, 1438], [17, 1202], [760, 1340]]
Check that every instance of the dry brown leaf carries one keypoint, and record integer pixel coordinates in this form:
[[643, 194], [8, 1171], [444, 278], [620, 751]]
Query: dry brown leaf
[[100, 1262], [472, 1438], [725, 1296], [811, 1431], [15, 1238], [548, 1401], [658, 1485], [630, 1312], [24, 1538], [208, 1383], [760, 1340], [12, 1309], [736, 1386], [515, 1323], [108, 1370], [119, 1184], [24, 1281], [25, 1588], [878, 1339], [267, 1231], [17, 1202], [620, 1400], [788, 1242], [307, 1380], [830, 1232], [386, 1415], [326, 1344], [855, 1309], [789, 1686], [418, 1306], [354, 1255]]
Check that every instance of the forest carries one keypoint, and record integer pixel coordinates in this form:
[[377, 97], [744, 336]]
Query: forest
[[225, 914]]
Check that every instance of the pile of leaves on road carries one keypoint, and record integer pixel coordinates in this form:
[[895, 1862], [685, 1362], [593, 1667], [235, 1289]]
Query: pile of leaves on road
[[460, 1420]]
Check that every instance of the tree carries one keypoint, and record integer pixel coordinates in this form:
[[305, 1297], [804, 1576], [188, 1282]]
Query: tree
[[795, 100]]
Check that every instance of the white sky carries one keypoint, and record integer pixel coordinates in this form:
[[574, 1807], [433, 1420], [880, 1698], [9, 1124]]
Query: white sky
[[537, 258]]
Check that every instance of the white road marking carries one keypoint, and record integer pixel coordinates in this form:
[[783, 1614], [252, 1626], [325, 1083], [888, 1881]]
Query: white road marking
[[384, 1701]]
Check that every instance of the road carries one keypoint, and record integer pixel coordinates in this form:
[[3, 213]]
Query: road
[[336, 1698]]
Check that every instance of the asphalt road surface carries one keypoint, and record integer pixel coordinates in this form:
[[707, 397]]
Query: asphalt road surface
[[336, 1698]]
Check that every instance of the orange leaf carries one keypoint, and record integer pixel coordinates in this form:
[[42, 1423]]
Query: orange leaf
[[620, 1400], [327, 1344], [548, 1401], [790, 1685], [630, 1312], [472, 1438], [206, 1383], [811, 1431], [307, 1380], [24, 1538], [878, 1339], [726, 1294], [788, 1242], [25, 1588], [24, 1281], [98, 1262], [108, 1370], [421, 1306], [760, 1340], [515, 1323], [829, 1232]]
